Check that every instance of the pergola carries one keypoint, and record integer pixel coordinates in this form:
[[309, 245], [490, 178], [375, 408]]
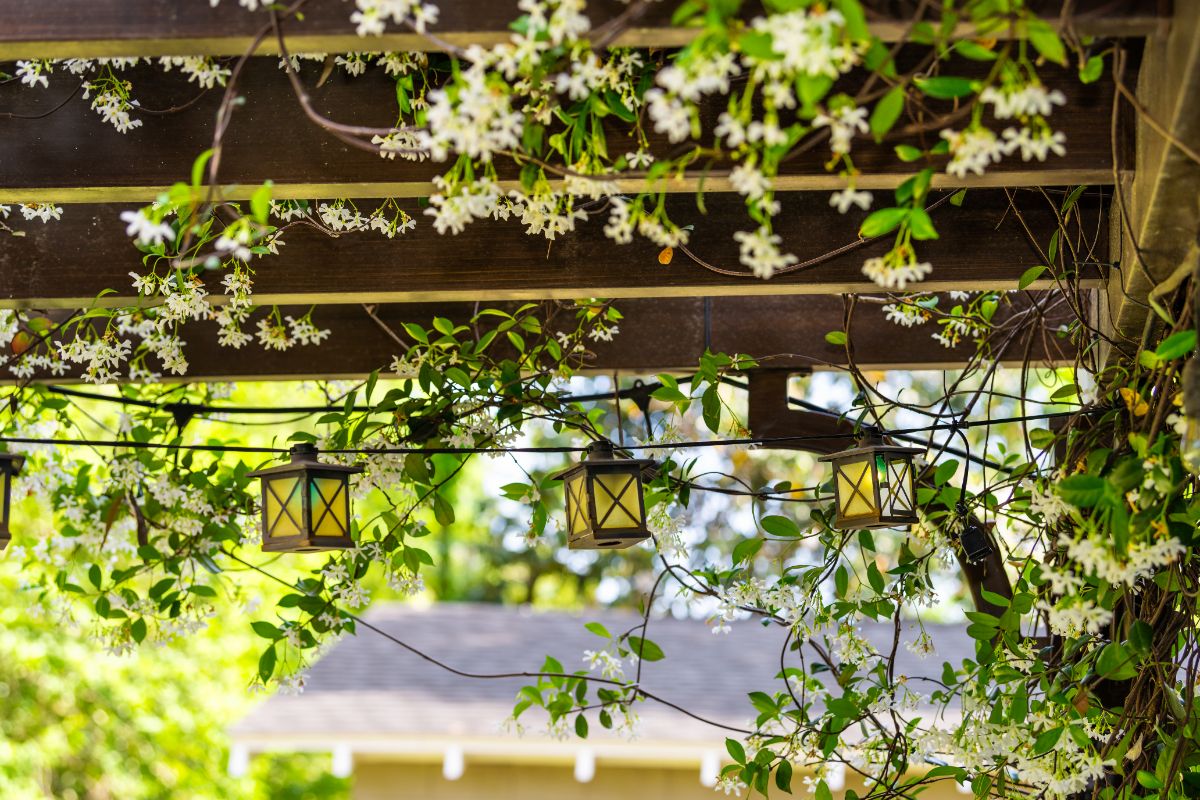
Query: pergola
[[1068, 230], [60, 152]]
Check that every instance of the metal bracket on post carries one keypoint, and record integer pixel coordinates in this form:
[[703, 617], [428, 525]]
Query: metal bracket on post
[[770, 416]]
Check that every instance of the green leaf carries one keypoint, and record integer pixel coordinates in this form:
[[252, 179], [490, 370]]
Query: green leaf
[[1030, 275], [945, 471], [994, 599], [1046, 740], [875, 578], [906, 152], [921, 225], [138, 630], [885, 220], [974, 51], [265, 629], [1176, 345], [1141, 637], [1064, 393], [758, 44], [266, 664], [978, 630], [736, 751], [260, 203], [1045, 39], [581, 726], [710, 403], [598, 629], [946, 87], [856, 19], [746, 549], [1091, 71], [1018, 707], [1149, 780], [1116, 662], [822, 791], [645, 649], [1041, 438], [459, 376], [783, 776], [198, 167], [443, 512], [886, 112], [780, 526], [1082, 491], [836, 338]]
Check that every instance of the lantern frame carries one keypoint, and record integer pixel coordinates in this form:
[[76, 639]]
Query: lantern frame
[[312, 479], [10, 465], [884, 504], [582, 482]]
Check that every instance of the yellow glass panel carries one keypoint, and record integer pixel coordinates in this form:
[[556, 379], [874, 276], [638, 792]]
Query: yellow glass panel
[[328, 502], [576, 505], [856, 488], [285, 512], [900, 494], [4, 499], [617, 502]]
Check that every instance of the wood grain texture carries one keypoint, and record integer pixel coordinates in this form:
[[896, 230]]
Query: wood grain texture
[[983, 245], [72, 156], [1160, 239], [97, 28], [656, 335]]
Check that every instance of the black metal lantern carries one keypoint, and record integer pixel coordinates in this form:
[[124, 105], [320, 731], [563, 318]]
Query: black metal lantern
[[605, 506], [10, 465], [305, 504], [974, 539], [874, 485]]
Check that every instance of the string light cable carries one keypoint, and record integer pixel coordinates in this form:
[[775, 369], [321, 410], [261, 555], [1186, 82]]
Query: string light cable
[[748, 441]]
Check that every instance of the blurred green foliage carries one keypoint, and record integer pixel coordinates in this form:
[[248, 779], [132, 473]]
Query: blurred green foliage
[[77, 722]]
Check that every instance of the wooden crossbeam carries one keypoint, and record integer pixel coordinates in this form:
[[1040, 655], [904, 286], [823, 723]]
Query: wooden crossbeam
[[72, 156], [655, 335], [108, 28], [984, 244]]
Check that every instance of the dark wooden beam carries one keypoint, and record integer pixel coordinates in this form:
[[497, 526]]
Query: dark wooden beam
[[99, 28], [983, 245], [655, 336], [73, 156]]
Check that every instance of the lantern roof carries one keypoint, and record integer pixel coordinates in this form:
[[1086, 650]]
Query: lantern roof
[[601, 452], [304, 457], [12, 462], [873, 443]]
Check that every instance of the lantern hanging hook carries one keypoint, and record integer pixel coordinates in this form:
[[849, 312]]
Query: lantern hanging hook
[[640, 395]]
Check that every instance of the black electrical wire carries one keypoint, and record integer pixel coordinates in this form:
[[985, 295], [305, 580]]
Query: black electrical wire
[[206, 408], [745, 441]]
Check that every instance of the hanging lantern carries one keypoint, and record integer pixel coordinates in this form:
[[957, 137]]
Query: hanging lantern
[[605, 507], [974, 539], [10, 465], [874, 485], [305, 504]]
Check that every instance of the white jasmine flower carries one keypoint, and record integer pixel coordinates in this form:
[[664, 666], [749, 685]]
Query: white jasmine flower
[[144, 230], [843, 122], [850, 197], [760, 252]]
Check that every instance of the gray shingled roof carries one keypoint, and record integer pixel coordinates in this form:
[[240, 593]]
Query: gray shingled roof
[[369, 686]]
